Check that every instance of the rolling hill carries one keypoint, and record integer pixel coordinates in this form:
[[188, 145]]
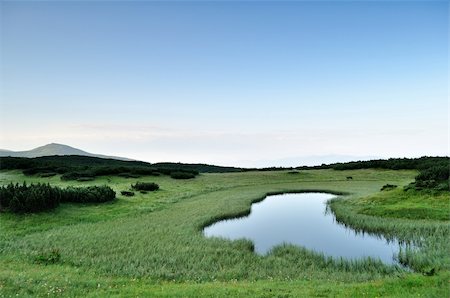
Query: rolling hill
[[54, 149]]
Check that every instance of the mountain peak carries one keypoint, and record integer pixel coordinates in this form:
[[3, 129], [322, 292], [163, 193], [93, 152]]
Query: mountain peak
[[54, 149]]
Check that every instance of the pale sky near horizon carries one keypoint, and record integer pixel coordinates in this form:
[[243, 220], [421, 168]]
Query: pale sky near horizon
[[226, 82]]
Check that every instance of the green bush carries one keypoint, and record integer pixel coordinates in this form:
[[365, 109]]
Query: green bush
[[434, 177], [90, 194], [128, 175], [40, 197], [33, 198], [182, 175], [388, 187], [127, 193], [85, 179], [75, 175], [49, 174], [148, 186]]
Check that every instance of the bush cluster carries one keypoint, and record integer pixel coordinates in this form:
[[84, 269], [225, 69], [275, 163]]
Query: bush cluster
[[39, 197], [127, 193], [33, 198], [421, 163], [182, 175], [436, 177], [73, 167], [433, 171], [90, 194], [388, 187], [146, 186]]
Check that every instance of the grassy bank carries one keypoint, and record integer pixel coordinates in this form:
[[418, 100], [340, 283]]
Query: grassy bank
[[152, 243], [418, 218]]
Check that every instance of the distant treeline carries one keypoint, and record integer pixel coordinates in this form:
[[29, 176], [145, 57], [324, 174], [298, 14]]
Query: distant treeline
[[433, 171], [23, 198], [74, 167], [421, 163]]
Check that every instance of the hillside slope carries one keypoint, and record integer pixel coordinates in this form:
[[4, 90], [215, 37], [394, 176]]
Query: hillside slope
[[54, 149]]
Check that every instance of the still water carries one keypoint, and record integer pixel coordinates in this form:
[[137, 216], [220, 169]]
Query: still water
[[301, 219]]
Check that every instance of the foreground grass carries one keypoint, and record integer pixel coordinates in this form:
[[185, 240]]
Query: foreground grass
[[152, 243], [58, 280]]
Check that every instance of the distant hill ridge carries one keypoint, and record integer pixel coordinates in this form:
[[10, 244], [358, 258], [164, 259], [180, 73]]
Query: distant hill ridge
[[55, 149]]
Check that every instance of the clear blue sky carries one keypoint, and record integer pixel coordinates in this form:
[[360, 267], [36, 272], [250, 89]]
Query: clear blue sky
[[228, 82]]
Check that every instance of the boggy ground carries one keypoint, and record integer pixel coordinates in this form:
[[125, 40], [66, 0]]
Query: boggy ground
[[152, 245]]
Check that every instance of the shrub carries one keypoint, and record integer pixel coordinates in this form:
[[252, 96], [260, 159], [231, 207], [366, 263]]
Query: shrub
[[127, 193], [388, 187], [46, 175], [33, 198], [148, 186], [144, 171], [434, 177], [128, 175], [182, 175], [75, 175], [40, 197], [90, 194], [84, 179]]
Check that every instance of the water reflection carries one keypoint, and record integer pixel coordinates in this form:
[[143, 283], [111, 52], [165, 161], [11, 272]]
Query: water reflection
[[303, 219]]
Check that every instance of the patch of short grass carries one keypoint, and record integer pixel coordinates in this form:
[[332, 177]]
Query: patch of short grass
[[411, 204]]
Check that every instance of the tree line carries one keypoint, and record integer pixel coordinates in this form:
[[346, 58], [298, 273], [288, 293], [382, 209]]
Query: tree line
[[76, 167]]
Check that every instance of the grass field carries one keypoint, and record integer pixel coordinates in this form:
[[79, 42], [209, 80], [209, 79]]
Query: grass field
[[152, 245]]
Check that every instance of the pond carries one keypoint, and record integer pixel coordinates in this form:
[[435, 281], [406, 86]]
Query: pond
[[301, 219]]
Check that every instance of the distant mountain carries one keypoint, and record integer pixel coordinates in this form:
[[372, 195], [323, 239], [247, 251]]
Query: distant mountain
[[55, 149]]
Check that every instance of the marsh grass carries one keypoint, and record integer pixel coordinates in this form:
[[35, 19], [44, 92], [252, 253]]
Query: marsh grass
[[157, 237], [51, 256], [427, 244]]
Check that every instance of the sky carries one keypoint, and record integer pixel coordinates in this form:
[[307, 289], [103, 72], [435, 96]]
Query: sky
[[231, 83]]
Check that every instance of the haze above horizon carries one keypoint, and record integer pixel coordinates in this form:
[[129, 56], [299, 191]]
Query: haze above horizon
[[225, 83]]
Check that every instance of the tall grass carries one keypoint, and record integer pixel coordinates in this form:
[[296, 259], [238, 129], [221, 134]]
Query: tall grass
[[158, 236], [428, 240]]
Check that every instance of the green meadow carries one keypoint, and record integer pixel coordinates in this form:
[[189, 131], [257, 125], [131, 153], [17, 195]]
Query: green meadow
[[151, 244]]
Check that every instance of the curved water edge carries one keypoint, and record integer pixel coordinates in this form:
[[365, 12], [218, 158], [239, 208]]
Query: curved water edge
[[302, 219], [247, 211]]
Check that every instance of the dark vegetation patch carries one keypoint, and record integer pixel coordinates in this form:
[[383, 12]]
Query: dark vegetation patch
[[436, 177], [293, 172], [74, 167], [421, 163], [129, 175], [41, 197], [388, 187], [85, 179], [52, 256], [434, 172], [49, 174], [145, 186], [127, 193], [182, 175]]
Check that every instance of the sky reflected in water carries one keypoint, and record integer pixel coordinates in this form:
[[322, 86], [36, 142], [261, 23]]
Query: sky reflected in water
[[301, 219]]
